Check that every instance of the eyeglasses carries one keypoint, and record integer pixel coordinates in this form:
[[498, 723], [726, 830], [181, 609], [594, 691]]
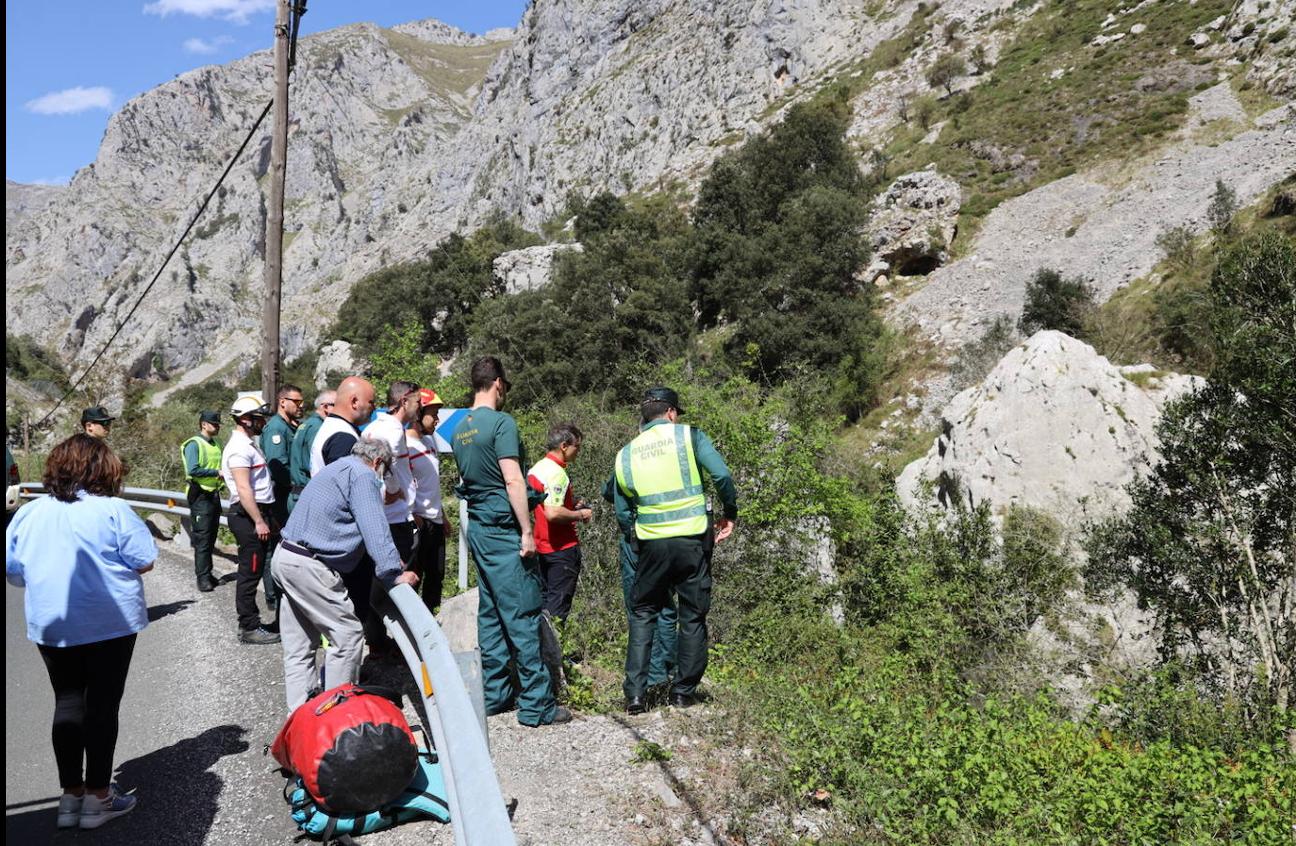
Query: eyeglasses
[[296, 400]]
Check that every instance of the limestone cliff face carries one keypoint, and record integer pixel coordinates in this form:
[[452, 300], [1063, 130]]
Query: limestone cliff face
[[397, 138], [370, 108], [400, 136]]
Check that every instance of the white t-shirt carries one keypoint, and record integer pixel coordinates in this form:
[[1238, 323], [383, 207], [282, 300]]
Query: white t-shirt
[[242, 451], [401, 480], [426, 466]]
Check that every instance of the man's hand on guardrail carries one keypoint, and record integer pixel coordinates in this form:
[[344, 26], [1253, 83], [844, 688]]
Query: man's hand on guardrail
[[407, 578]]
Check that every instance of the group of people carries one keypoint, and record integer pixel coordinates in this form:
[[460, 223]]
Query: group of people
[[332, 511]]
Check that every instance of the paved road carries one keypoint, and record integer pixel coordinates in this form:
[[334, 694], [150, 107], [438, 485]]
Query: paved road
[[199, 708]]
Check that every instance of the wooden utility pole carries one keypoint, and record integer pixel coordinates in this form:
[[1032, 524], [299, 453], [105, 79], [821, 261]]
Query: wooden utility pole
[[274, 210]]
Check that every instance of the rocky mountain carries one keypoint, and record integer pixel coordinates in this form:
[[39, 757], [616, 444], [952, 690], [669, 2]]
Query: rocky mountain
[[401, 136], [369, 106], [26, 200]]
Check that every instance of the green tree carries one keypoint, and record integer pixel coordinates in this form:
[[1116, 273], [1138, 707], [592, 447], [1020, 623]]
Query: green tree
[[609, 314], [1223, 205], [947, 68], [440, 293], [1056, 302], [776, 250], [1210, 540]]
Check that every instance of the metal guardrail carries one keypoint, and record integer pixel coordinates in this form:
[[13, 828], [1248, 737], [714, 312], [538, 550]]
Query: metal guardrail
[[477, 810], [174, 502], [147, 499]]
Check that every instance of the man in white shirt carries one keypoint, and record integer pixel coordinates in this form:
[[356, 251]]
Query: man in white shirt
[[247, 476], [399, 490], [432, 528]]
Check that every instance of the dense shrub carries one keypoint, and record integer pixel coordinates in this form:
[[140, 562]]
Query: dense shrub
[[902, 763], [440, 292], [978, 358], [27, 360], [1056, 302], [610, 313]]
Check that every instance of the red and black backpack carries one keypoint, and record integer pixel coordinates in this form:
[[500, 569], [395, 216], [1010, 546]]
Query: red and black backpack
[[352, 748]]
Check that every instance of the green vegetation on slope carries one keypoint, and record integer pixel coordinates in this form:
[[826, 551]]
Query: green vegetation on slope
[[1023, 127], [922, 717], [1163, 317]]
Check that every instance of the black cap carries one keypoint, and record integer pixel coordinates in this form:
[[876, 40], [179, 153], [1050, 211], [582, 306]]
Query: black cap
[[662, 394], [96, 414], [211, 417]]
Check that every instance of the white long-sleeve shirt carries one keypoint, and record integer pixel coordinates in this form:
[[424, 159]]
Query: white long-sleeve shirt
[[401, 479]]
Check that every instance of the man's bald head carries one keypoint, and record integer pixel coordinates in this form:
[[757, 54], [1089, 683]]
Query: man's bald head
[[355, 400]]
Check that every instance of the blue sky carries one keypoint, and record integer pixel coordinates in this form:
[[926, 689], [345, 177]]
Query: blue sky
[[68, 66]]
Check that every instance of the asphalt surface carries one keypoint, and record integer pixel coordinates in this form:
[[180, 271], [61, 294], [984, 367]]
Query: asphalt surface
[[198, 710]]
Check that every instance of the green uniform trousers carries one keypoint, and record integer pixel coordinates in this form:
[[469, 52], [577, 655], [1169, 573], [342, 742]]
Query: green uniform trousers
[[664, 643], [682, 566], [204, 517], [508, 624]]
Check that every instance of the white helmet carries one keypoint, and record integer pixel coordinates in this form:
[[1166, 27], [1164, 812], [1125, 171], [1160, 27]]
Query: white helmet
[[249, 406]]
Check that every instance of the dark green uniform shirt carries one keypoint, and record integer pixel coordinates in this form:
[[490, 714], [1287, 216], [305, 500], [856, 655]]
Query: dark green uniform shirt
[[300, 453], [479, 442], [276, 444]]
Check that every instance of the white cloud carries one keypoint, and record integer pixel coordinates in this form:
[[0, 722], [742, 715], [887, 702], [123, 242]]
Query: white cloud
[[206, 48], [71, 101], [237, 11]]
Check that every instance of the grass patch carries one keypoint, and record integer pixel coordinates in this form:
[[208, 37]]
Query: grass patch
[[450, 70], [1145, 378]]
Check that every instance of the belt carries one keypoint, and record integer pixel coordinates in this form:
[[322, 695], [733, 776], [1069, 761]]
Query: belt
[[298, 550]]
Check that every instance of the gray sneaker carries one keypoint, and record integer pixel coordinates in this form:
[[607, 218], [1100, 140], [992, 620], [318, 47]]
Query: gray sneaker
[[69, 810], [258, 635], [95, 811]]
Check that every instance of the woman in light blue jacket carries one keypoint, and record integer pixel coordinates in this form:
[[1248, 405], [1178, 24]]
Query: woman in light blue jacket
[[79, 553]]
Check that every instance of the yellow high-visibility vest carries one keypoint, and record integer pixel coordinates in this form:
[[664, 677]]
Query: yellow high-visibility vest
[[209, 458], [659, 472]]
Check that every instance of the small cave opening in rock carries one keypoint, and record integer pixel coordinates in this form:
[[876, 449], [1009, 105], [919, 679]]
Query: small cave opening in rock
[[918, 266]]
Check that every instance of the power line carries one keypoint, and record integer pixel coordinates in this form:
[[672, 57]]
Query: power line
[[298, 9], [71, 390]]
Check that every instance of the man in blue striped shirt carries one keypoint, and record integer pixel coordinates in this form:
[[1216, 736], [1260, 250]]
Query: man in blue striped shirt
[[338, 518]]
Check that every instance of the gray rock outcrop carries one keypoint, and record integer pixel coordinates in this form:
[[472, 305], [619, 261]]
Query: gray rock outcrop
[[529, 269], [1262, 32], [913, 223], [1054, 426], [25, 200], [337, 358], [458, 620], [372, 110]]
